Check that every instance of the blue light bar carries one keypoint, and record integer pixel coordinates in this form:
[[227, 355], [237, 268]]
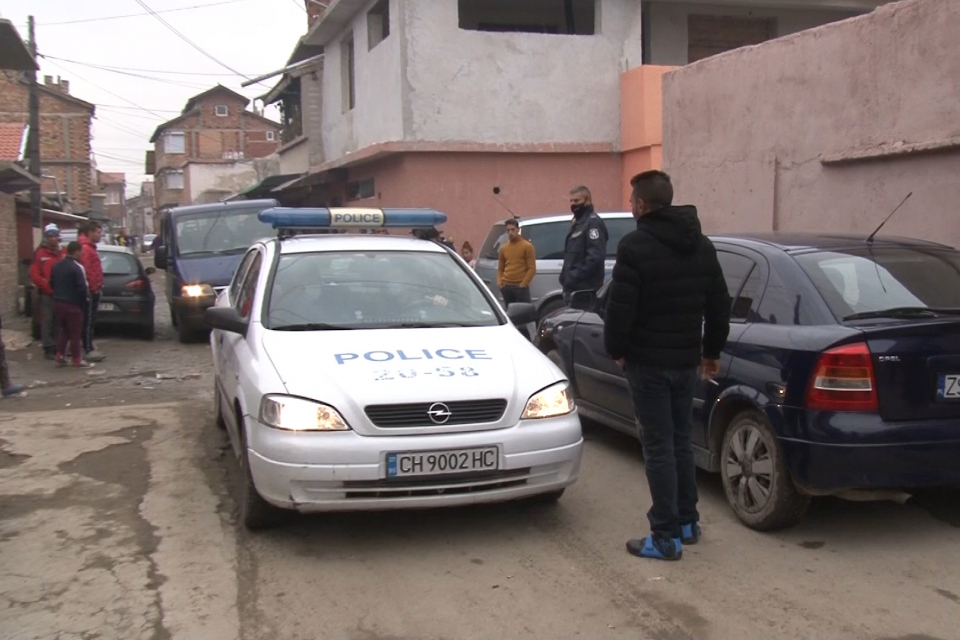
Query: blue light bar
[[349, 218]]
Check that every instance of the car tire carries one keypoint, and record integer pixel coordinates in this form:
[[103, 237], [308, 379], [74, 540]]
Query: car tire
[[173, 318], [185, 333], [217, 409], [255, 512], [147, 331], [755, 476], [549, 307], [548, 498]]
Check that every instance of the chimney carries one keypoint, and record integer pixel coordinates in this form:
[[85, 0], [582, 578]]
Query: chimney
[[314, 11], [65, 86], [48, 80]]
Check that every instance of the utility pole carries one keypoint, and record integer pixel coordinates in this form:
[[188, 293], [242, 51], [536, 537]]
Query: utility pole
[[33, 141]]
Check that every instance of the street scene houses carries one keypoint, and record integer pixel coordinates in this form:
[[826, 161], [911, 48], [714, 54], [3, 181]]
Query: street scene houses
[[447, 390]]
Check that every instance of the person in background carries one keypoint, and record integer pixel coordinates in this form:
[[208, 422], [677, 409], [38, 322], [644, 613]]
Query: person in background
[[517, 264], [45, 257], [585, 249], [70, 297], [466, 251], [89, 234], [7, 388], [668, 314]]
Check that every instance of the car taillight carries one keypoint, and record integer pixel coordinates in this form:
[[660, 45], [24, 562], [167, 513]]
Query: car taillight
[[844, 380], [136, 285]]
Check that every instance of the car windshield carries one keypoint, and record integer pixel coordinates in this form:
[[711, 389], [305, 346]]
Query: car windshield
[[116, 263], [866, 280], [374, 289], [219, 232]]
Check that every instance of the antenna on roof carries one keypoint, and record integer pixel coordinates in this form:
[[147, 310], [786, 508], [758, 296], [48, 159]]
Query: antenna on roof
[[887, 219]]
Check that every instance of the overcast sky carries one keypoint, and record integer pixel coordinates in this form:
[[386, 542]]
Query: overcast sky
[[250, 37]]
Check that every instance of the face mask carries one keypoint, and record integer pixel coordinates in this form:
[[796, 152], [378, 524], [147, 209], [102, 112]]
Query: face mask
[[577, 209]]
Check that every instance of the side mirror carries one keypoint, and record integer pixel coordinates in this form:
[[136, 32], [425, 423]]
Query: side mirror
[[226, 319], [150, 271], [521, 313], [160, 258], [583, 300]]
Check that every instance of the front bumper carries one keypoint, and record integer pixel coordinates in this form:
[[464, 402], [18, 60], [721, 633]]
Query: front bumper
[[842, 451], [347, 472], [190, 310]]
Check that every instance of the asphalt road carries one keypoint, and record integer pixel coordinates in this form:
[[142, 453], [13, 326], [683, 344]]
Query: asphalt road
[[117, 521]]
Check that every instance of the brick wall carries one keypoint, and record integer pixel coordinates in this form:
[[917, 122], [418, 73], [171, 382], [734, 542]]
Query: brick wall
[[8, 256], [64, 136]]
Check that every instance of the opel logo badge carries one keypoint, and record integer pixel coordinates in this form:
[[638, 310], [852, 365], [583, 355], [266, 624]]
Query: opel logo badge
[[439, 413]]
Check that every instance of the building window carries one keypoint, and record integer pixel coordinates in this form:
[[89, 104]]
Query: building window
[[112, 197], [378, 23], [271, 136], [222, 110], [361, 189], [348, 80], [572, 17], [174, 180], [174, 142]]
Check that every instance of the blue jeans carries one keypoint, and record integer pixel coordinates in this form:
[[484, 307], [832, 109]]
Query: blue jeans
[[663, 402]]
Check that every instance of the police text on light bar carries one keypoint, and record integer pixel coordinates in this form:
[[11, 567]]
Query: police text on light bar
[[349, 218]]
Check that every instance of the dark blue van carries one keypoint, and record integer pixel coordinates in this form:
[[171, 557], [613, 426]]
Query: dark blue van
[[200, 248]]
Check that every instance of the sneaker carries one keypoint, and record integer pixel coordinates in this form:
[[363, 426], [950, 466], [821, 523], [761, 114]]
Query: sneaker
[[14, 391], [95, 356], [83, 364], [61, 361], [690, 533], [656, 548]]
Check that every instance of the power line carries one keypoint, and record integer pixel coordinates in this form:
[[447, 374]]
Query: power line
[[179, 83], [112, 68], [300, 5], [188, 40], [138, 15], [115, 95], [120, 106]]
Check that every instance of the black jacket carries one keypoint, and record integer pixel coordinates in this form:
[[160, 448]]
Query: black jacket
[[584, 254], [69, 283], [668, 303]]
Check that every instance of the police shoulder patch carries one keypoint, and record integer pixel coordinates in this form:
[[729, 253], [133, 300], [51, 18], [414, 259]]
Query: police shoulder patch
[[594, 233]]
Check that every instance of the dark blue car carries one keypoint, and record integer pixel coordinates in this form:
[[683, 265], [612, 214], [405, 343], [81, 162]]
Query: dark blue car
[[842, 371]]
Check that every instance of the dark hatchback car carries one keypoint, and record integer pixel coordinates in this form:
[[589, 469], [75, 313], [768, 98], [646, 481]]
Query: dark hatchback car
[[842, 371], [127, 297]]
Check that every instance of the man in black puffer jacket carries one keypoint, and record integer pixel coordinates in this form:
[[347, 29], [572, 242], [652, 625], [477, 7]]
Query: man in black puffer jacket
[[668, 313]]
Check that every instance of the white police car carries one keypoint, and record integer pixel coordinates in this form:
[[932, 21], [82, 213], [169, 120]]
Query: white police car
[[365, 372]]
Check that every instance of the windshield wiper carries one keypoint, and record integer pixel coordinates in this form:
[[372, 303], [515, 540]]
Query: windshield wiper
[[198, 253], [903, 312], [312, 326], [424, 325]]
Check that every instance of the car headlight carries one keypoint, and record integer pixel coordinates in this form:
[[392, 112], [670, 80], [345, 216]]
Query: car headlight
[[555, 400], [197, 290], [296, 414]]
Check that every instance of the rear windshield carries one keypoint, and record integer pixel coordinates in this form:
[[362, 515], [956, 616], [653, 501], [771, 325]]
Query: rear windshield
[[118, 264], [549, 239], [861, 280]]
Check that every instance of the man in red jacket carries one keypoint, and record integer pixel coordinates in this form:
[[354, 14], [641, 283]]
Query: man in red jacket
[[89, 234], [47, 254]]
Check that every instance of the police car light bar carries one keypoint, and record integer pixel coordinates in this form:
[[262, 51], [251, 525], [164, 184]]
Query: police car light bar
[[349, 218]]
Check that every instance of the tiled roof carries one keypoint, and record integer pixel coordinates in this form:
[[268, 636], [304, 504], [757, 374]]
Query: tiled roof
[[112, 178], [12, 140]]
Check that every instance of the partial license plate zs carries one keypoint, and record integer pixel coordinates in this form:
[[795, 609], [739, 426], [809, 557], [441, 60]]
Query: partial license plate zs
[[949, 387], [433, 463], [106, 306]]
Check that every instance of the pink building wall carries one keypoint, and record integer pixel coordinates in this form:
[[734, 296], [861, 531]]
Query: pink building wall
[[825, 130], [461, 185]]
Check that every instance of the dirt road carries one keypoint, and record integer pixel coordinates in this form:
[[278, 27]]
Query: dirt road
[[117, 521]]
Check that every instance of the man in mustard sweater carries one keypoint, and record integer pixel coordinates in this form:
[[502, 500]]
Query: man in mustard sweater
[[517, 266]]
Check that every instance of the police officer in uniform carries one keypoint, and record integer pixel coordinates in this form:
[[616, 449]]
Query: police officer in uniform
[[586, 246]]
